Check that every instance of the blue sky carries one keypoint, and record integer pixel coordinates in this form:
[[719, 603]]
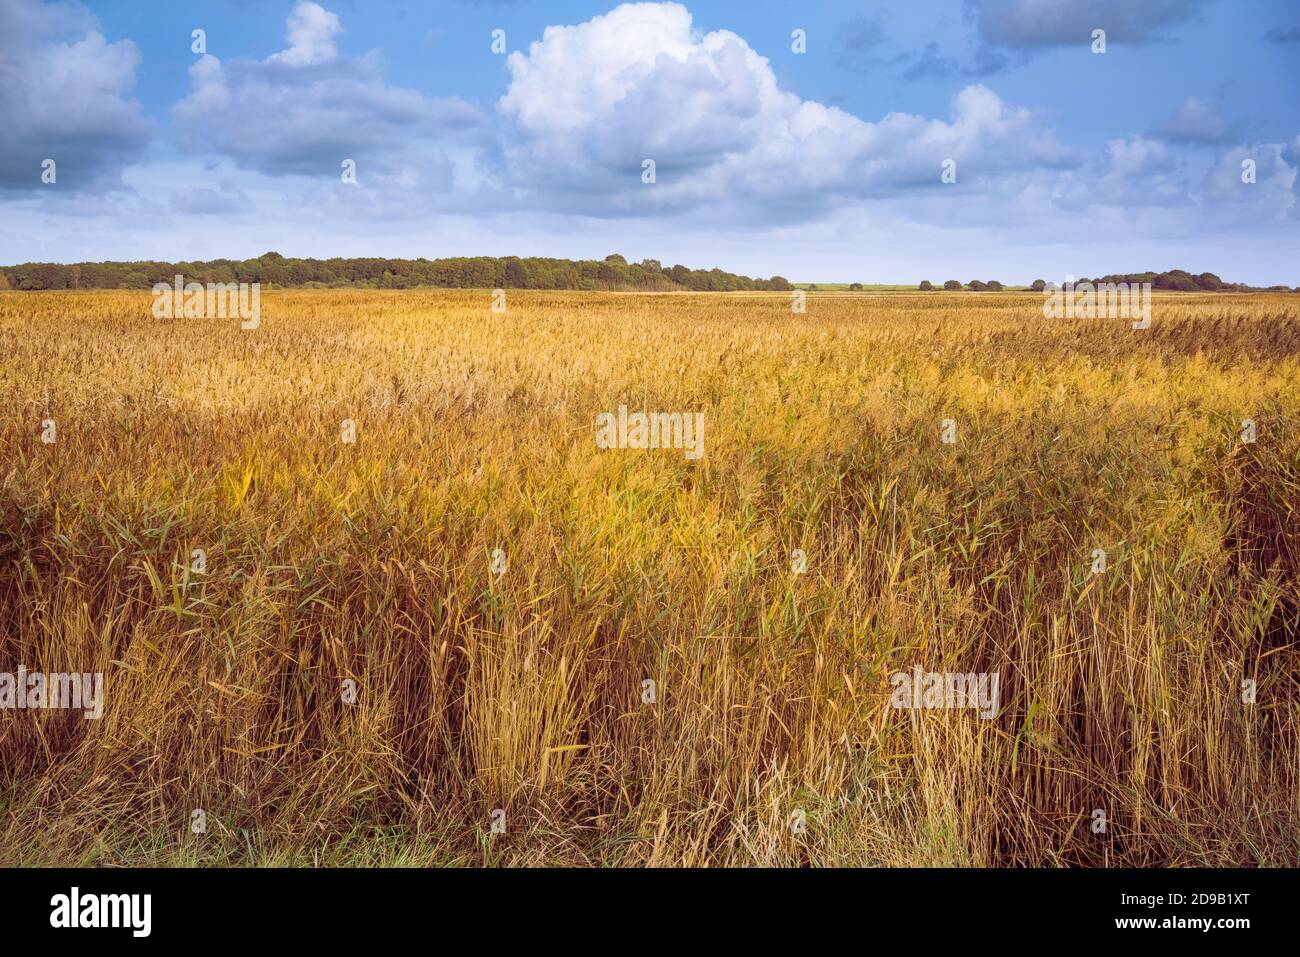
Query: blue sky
[[822, 165]]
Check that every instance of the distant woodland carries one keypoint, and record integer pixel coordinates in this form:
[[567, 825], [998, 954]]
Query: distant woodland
[[477, 272]]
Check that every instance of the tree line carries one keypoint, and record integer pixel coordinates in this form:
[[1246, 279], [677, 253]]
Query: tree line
[[1178, 280], [477, 272], [614, 272]]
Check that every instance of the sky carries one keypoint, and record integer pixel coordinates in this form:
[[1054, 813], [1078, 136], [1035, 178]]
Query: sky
[[824, 142]]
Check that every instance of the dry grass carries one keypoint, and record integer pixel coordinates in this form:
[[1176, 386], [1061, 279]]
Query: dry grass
[[475, 431]]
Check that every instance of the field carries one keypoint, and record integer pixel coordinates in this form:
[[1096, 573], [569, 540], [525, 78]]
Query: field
[[354, 677]]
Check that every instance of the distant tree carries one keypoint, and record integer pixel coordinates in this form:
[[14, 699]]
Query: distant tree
[[720, 281], [926, 286], [780, 284], [976, 286], [223, 274], [993, 286], [613, 271], [1038, 285], [1209, 281], [4, 283], [273, 270], [952, 285], [812, 286], [45, 276], [1178, 280], [515, 275], [855, 287]]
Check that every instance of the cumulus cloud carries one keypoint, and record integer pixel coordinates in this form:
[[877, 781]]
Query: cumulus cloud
[[583, 107], [307, 108], [1197, 121], [1273, 192], [1138, 171], [311, 36], [590, 102], [65, 94], [1041, 23]]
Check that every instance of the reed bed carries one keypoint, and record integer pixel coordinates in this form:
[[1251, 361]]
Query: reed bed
[[369, 566]]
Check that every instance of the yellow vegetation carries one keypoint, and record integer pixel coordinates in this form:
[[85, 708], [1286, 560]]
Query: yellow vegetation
[[328, 561]]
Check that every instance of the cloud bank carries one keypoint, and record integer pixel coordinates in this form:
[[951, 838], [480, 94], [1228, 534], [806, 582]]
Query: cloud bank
[[65, 94]]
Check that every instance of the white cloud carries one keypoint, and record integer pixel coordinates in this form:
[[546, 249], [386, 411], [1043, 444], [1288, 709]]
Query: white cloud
[[1135, 172], [761, 179], [65, 94], [590, 102], [311, 35], [307, 108], [1271, 195], [1197, 121]]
